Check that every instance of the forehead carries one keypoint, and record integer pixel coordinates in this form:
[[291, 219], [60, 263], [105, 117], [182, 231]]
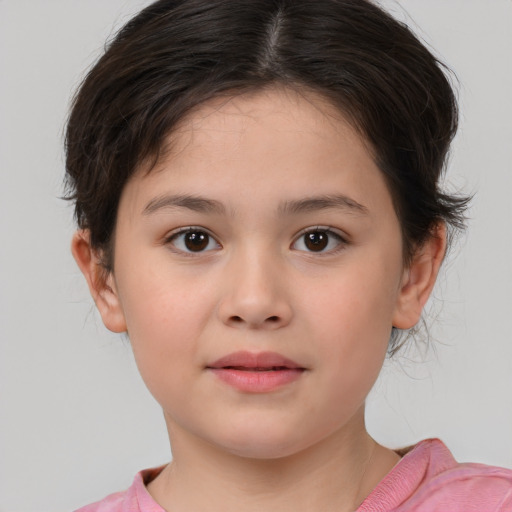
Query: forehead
[[223, 123], [278, 144]]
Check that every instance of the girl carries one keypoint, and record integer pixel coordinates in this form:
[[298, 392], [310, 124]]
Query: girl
[[256, 189]]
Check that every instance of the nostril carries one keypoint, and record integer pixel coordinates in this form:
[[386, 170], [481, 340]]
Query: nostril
[[235, 319]]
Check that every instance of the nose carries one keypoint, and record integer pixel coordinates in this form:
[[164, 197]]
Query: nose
[[255, 295]]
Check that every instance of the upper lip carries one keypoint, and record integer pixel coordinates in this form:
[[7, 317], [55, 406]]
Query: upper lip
[[244, 359]]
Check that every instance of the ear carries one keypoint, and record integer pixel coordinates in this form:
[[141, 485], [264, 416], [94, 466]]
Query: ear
[[101, 282], [419, 279]]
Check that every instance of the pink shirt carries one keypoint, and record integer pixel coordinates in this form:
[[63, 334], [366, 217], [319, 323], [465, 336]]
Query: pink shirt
[[427, 479]]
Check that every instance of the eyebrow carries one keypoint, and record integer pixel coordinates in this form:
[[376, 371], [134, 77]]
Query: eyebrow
[[324, 202], [204, 205], [195, 203]]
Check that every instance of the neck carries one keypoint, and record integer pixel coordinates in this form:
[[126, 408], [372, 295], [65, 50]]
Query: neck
[[335, 474]]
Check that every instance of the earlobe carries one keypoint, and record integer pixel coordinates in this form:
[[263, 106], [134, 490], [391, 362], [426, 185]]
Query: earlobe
[[419, 279], [100, 281]]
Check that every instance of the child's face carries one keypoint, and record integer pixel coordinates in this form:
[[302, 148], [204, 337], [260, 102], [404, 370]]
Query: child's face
[[249, 178]]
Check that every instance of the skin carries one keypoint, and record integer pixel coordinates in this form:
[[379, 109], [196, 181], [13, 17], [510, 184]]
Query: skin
[[257, 286]]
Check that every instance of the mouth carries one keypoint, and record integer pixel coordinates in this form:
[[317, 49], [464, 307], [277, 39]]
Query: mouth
[[255, 362], [260, 372], [259, 369]]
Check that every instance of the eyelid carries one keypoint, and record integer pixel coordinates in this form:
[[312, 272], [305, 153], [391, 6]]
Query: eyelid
[[331, 231], [170, 237]]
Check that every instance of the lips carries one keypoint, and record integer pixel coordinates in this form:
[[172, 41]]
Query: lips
[[260, 372], [260, 361]]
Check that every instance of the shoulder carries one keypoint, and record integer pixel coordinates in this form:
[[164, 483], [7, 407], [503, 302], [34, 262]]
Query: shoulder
[[465, 488], [429, 479], [113, 503], [135, 499], [468, 489]]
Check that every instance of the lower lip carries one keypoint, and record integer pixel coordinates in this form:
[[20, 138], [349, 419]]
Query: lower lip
[[257, 381]]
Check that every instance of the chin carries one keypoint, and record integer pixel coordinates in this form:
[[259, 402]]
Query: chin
[[264, 450], [264, 443]]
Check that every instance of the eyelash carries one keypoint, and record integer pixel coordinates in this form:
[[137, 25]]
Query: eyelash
[[326, 231], [171, 239]]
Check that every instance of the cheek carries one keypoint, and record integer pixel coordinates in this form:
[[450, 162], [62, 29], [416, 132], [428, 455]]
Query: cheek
[[164, 321], [158, 299], [357, 305], [352, 325]]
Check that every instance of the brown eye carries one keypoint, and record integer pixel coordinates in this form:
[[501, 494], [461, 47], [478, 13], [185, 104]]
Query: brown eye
[[319, 240], [193, 240], [196, 241], [316, 241]]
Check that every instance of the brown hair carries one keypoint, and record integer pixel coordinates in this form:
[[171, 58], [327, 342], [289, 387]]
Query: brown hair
[[177, 54]]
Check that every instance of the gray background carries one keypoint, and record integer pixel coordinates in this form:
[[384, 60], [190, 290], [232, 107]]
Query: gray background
[[76, 421]]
